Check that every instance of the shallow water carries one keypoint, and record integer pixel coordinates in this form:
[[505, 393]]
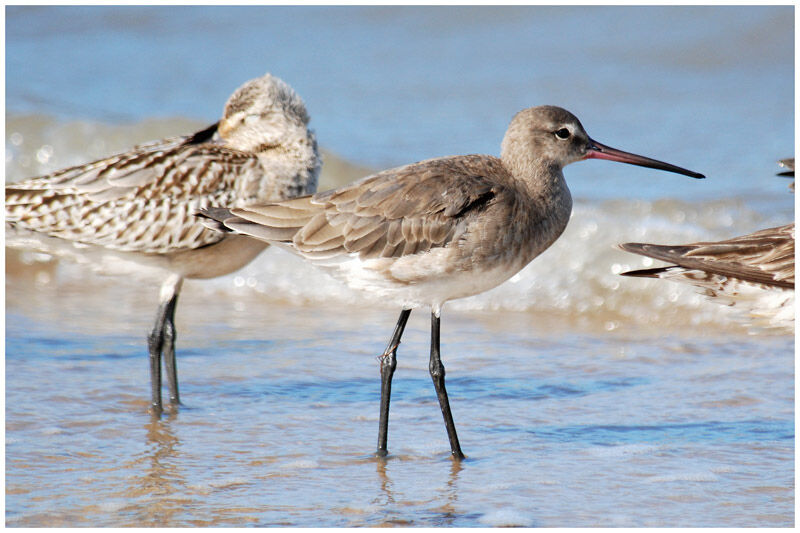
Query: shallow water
[[581, 398], [561, 426]]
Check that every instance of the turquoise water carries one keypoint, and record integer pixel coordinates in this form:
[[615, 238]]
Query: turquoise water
[[581, 398]]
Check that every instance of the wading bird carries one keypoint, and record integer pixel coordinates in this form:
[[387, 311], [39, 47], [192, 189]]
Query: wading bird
[[437, 230], [133, 211]]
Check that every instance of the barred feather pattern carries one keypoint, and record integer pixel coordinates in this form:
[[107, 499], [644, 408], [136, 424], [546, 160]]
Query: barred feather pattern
[[143, 200], [133, 213], [765, 257], [753, 273]]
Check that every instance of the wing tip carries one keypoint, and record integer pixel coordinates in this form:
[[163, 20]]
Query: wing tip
[[215, 218]]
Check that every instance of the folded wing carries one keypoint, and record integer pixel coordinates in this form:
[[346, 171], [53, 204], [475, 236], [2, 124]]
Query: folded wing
[[141, 200], [397, 212]]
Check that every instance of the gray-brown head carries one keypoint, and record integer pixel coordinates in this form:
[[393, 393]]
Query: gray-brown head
[[263, 112], [552, 137]]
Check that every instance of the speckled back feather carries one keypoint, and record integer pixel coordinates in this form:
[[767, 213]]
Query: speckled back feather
[[143, 200]]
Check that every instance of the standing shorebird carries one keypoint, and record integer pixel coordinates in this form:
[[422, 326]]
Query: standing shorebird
[[132, 212], [437, 230], [754, 272]]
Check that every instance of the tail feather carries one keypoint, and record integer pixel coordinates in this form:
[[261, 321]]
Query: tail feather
[[260, 232], [647, 273], [215, 218], [222, 219]]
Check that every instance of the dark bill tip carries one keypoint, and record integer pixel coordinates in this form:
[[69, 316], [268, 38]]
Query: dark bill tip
[[601, 151]]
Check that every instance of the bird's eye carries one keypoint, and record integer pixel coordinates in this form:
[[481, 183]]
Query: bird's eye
[[563, 133]]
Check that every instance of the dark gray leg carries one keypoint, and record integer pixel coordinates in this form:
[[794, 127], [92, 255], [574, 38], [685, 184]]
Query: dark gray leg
[[170, 364], [388, 364], [437, 374], [155, 344], [161, 340]]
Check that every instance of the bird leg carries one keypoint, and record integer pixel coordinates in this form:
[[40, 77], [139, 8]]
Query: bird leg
[[388, 364], [155, 341], [437, 374], [162, 340], [170, 362]]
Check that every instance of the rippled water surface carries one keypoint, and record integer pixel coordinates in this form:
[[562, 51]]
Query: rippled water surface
[[581, 398], [280, 420]]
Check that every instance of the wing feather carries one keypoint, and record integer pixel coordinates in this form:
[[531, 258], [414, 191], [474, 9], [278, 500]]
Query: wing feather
[[765, 257], [141, 200], [408, 210]]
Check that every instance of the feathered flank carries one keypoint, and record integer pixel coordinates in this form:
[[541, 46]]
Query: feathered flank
[[753, 273]]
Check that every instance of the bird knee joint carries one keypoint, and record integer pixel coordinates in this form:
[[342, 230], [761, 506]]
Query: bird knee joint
[[153, 343], [388, 362], [169, 332]]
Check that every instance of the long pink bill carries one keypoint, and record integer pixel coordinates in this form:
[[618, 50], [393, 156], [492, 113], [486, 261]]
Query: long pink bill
[[601, 151]]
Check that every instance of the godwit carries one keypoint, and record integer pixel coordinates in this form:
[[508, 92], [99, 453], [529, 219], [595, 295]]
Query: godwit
[[137, 206], [754, 271], [437, 230]]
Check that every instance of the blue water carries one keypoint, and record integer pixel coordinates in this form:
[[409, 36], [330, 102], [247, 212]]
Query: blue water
[[581, 398], [280, 415], [709, 88]]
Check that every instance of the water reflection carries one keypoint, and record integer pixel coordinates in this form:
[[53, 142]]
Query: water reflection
[[392, 502], [386, 483], [160, 480], [571, 436]]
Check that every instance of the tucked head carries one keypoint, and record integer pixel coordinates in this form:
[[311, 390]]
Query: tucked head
[[261, 112], [553, 137]]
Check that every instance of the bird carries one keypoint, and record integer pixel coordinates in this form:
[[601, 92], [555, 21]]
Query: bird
[[788, 164], [436, 230], [132, 212], [754, 272]]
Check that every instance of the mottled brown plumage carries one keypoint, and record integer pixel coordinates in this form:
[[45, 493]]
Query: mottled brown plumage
[[439, 229], [136, 208], [753, 271], [142, 200], [765, 257]]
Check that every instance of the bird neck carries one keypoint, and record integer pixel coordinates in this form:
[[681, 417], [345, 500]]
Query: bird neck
[[540, 177]]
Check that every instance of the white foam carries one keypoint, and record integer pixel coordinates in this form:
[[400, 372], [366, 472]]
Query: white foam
[[300, 464], [506, 518]]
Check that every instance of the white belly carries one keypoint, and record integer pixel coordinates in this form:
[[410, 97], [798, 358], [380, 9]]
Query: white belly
[[417, 280]]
